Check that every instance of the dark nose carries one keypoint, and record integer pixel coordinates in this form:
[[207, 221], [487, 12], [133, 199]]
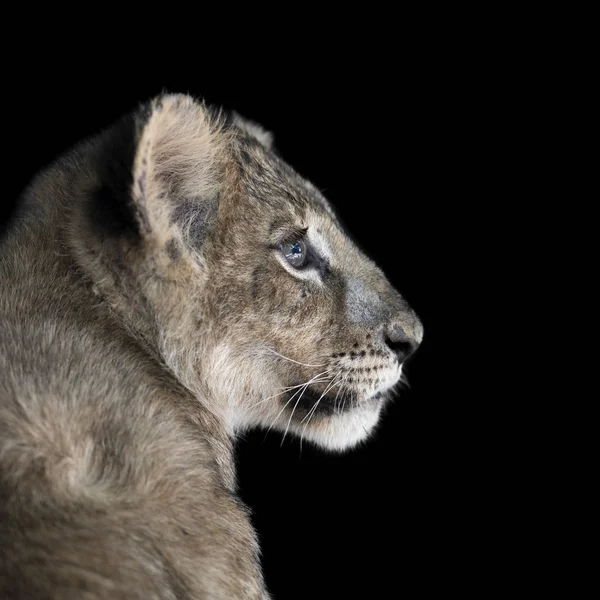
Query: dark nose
[[399, 342]]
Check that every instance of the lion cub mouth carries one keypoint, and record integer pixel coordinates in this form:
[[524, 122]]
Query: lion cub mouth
[[327, 404]]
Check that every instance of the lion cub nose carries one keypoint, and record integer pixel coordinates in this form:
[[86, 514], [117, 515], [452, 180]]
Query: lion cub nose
[[399, 342]]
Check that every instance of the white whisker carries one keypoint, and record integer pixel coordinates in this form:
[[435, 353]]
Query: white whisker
[[314, 408], [404, 380], [293, 410], [340, 382], [333, 382], [285, 390], [340, 389], [312, 380], [312, 411], [292, 360]]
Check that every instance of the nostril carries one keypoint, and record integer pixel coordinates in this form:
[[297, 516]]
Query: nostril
[[401, 349], [399, 343]]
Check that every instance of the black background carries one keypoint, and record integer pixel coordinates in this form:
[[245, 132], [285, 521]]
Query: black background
[[401, 139]]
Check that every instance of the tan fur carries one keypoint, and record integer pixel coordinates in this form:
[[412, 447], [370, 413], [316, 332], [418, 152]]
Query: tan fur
[[143, 325]]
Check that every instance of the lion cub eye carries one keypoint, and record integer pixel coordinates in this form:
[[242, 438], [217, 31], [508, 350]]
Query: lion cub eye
[[295, 253]]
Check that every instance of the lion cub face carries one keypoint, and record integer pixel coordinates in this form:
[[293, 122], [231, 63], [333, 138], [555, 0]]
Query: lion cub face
[[265, 307]]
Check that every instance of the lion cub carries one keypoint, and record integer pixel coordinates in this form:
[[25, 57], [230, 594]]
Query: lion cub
[[163, 287]]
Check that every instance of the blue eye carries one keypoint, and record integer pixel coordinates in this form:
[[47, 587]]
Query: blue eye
[[295, 253]]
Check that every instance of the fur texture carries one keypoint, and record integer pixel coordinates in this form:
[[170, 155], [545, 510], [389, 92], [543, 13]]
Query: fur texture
[[147, 315]]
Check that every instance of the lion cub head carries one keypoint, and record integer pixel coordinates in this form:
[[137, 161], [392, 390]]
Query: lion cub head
[[236, 272]]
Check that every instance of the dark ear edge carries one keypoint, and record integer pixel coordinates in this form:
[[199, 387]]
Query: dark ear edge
[[169, 153], [110, 206]]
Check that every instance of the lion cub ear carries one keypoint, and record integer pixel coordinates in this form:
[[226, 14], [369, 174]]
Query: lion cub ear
[[253, 129], [160, 171]]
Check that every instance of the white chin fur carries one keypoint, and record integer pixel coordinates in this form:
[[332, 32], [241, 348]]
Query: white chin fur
[[342, 431]]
